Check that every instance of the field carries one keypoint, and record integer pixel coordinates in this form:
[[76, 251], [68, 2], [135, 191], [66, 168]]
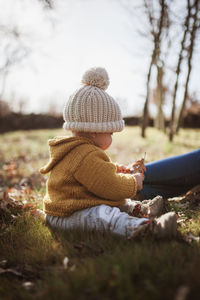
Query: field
[[36, 263]]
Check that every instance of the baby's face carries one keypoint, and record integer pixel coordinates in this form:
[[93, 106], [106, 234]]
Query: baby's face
[[103, 140]]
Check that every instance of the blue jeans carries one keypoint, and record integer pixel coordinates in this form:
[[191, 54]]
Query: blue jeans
[[172, 176]]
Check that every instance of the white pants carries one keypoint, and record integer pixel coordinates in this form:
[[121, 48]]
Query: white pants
[[101, 217]]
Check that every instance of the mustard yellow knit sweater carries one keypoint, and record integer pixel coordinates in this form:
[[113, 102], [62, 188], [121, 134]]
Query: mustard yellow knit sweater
[[82, 176]]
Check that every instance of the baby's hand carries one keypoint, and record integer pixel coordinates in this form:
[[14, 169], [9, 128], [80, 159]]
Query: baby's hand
[[139, 167], [139, 179], [122, 169]]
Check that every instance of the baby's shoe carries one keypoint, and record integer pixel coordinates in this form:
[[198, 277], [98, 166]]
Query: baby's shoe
[[152, 208], [163, 227], [149, 208]]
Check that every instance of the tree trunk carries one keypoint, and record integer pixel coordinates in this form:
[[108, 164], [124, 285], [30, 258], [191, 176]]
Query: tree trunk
[[160, 120], [154, 60], [191, 51], [186, 25], [145, 109]]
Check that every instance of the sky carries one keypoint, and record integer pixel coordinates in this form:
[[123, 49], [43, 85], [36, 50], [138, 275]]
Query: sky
[[62, 43]]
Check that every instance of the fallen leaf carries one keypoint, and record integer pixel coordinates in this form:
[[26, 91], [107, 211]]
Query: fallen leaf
[[72, 268], [65, 262], [3, 263], [182, 292], [6, 201], [28, 285]]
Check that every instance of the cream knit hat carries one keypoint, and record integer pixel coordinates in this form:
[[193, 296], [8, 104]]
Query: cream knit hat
[[90, 108]]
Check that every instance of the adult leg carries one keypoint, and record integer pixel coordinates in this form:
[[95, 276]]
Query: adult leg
[[172, 176]]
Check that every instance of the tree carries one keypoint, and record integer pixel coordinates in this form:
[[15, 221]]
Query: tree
[[194, 15], [15, 46], [4, 108], [178, 68], [162, 24], [157, 27], [13, 51]]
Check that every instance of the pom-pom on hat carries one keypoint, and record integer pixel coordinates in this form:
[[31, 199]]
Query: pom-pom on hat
[[90, 108]]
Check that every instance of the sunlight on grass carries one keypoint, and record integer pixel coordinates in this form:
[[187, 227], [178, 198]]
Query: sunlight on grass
[[129, 146], [38, 245]]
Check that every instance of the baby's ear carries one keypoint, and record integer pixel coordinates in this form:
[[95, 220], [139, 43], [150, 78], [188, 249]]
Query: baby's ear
[[74, 133]]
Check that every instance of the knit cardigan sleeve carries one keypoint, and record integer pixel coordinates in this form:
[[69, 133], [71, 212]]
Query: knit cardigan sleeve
[[99, 176]]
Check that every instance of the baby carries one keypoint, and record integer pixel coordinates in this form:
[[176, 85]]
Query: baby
[[85, 189]]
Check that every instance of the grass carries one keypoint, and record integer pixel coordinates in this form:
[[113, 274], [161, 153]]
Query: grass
[[100, 266]]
